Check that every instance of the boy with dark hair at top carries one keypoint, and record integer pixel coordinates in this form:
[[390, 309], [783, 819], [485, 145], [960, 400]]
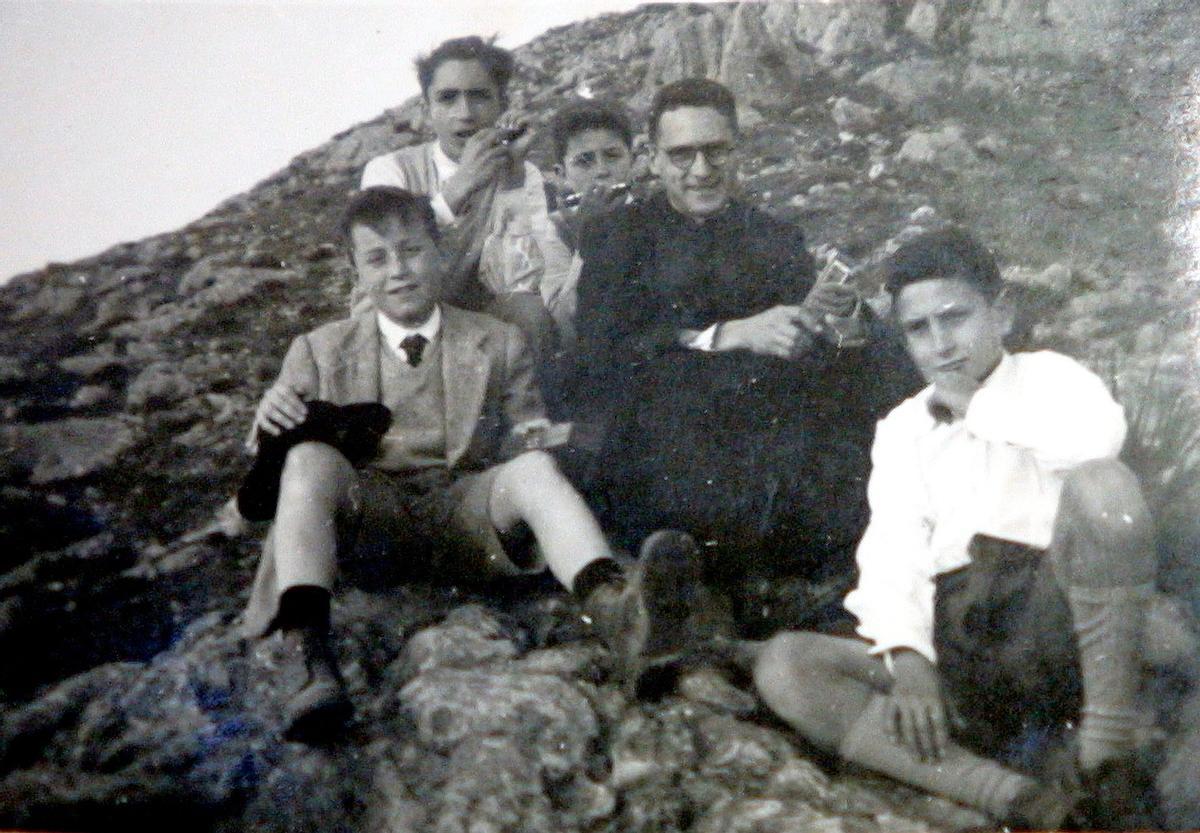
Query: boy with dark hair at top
[[436, 491], [593, 149], [486, 196], [1004, 574]]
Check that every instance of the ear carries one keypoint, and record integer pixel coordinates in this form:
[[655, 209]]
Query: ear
[[559, 170], [655, 161]]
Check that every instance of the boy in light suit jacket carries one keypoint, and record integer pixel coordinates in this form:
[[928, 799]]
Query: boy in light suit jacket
[[439, 496]]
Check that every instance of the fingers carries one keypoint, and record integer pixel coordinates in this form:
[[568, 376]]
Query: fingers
[[281, 409], [939, 731], [920, 726], [832, 299]]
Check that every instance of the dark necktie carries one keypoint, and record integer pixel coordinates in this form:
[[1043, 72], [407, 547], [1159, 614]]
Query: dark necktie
[[413, 346]]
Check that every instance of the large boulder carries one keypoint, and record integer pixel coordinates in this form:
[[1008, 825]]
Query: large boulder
[[765, 71]]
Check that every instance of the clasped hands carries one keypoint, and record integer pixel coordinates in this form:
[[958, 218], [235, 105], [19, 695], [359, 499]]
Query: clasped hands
[[788, 331]]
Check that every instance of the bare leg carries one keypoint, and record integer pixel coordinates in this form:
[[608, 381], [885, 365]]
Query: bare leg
[[819, 684], [834, 693], [530, 488], [314, 491]]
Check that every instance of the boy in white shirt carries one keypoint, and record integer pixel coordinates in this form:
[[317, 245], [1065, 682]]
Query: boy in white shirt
[[488, 198], [1004, 573]]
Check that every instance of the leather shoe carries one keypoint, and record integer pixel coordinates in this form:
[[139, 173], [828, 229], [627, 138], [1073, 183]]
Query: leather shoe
[[660, 616], [317, 711]]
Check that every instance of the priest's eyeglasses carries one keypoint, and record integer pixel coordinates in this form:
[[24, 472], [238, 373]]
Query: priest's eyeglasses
[[684, 156]]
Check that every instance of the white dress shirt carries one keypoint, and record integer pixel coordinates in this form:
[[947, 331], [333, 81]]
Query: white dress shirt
[[393, 333], [522, 209], [997, 472]]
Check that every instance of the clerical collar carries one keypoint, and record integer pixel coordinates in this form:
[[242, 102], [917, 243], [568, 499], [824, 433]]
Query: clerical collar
[[394, 333]]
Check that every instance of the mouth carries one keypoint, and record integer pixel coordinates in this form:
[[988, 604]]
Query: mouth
[[465, 133], [952, 366], [403, 289]]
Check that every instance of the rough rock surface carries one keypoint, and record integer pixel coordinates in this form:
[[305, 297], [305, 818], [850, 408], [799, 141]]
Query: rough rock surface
[[1054, 129]]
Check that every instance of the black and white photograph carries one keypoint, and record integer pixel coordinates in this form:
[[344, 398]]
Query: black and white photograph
[[763, 416]]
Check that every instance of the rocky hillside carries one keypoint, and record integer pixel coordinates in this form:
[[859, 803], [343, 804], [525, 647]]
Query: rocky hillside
[[1062, 131]]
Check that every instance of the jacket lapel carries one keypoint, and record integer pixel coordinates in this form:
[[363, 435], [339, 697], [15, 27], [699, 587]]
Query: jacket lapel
[[358, 362], [465, 368]]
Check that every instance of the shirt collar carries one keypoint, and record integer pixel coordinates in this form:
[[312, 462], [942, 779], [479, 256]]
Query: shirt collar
[[394, 333], [1000, 376], [443, 164]]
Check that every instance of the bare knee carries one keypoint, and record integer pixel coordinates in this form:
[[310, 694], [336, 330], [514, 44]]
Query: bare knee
[[1105, 498], [313, 468], [1104, 511], [784, 664], [818, 684]]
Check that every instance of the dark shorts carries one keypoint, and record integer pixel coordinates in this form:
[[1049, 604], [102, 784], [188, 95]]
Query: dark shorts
[[433, 524], [1006, 651]]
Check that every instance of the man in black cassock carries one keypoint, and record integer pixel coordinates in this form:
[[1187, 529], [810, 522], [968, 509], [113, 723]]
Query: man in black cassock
[[707, 361]]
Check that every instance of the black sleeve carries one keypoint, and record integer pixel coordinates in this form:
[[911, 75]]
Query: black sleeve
[[614, 307], [793, 269]]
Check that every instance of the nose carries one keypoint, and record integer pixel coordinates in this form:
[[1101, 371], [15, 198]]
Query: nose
[[943, 339], [397, 267], [701, 166], [462, 107]]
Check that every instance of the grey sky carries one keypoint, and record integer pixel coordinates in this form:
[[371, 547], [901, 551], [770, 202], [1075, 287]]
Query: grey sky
[[127, 119]]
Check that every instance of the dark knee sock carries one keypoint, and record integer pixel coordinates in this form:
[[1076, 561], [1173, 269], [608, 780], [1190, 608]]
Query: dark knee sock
[[598, 572], [304, 608]]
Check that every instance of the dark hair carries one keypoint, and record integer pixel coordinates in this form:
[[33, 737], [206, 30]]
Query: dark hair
[[498, 62], [946, 253], [373, 204], [692, 92], [579, 116]]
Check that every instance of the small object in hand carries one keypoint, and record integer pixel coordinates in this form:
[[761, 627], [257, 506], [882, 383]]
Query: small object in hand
[[841, 331], [508, 135]]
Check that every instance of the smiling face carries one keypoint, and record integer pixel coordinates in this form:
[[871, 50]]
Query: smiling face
[[691, 157], [462, 99], [399, 267], [595, 157], [951, 327]]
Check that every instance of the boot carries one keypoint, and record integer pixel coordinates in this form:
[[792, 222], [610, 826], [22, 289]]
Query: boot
[[659, 617], [321, 706]]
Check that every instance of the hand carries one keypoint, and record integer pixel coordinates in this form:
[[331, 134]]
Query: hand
[[484, 159], [834, 299], [916, 716], [281, 409], [592, 202], [511, 121], [954, 391], [780, 331]]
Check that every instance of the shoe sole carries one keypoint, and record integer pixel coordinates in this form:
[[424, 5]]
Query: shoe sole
[[672, 573]]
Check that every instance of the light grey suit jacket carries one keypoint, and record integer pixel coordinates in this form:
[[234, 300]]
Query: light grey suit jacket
[[487, 373]]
